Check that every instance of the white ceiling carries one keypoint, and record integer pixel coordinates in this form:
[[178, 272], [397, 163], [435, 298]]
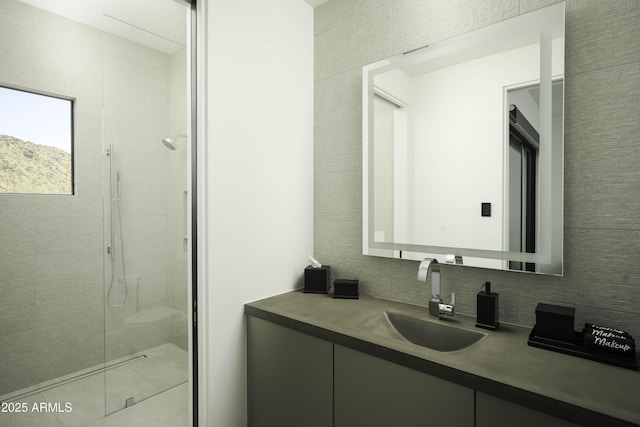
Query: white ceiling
[[166, 19]]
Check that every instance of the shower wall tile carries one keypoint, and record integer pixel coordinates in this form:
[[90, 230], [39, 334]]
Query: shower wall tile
[[136, 83], [69, 346], [88, 128], [152, 178], [177, 268], [178, 271], [87, 202], [16, 51], [74, 291], [63, 48], [69, 311], [86, 94], [122, 102], [17, 367], [65, 234], [601, 204], [18, 281], [145, 204], [178, 95], [81, 37], [20, 207], [137, 117], [17, 13], [130, 56], [142, 234], [17, 231], [17, 71], [145, 252], [141, 141]]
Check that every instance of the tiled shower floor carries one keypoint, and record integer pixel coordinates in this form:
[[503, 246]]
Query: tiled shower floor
[[164, 368]]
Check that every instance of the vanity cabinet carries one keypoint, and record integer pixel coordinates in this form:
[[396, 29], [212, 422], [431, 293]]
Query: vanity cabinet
[[494, 412], [317, 361], [374, 392], [295, 379], [290, 377]]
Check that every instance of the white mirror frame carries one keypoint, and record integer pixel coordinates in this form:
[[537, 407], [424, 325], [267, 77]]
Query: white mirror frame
[[546, 23]]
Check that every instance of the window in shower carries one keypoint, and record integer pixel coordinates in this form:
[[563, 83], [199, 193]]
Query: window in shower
[[36, 142]]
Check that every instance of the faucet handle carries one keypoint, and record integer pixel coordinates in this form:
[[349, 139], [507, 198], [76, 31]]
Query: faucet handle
[[449, 309]]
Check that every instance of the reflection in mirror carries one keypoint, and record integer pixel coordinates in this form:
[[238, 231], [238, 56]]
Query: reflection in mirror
[[462, 148]]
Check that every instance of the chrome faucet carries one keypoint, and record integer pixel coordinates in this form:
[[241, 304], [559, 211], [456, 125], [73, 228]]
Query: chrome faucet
[[437, 306]]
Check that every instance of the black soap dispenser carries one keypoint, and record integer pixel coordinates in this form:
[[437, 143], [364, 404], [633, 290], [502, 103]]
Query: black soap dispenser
[[487, 308]]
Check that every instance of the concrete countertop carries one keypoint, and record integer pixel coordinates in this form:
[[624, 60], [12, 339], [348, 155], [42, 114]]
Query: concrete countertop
[[502, 364]]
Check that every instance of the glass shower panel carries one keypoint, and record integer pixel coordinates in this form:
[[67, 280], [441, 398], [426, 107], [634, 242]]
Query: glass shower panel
[[145, 186]]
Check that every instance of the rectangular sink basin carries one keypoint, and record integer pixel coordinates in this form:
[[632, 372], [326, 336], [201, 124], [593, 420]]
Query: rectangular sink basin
[[435, 336]]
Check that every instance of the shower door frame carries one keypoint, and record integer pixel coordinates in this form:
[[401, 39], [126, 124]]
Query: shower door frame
[[195, 76]]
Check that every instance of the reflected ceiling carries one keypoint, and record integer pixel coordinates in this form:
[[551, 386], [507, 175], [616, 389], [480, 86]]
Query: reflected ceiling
[[162, 18]]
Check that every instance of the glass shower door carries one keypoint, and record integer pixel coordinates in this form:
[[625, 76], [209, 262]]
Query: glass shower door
[[145, 187]]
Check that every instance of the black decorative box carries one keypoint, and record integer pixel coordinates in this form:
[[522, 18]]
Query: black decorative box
[[316, 280], [555, 322], [344, 288]]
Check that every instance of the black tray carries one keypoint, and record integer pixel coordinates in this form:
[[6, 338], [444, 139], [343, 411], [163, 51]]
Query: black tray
[[577, 349]]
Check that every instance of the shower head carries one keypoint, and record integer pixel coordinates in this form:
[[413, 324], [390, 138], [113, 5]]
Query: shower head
[[171, 143]]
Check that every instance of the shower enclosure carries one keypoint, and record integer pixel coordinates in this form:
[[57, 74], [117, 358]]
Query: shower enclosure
[[146, 203], [95, 284]]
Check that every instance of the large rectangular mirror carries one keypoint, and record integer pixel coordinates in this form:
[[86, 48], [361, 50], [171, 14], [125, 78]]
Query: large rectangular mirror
[[463, 148]]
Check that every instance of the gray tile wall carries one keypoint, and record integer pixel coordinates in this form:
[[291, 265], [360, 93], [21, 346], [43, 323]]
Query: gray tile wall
[[602, 154], [51, 310]]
